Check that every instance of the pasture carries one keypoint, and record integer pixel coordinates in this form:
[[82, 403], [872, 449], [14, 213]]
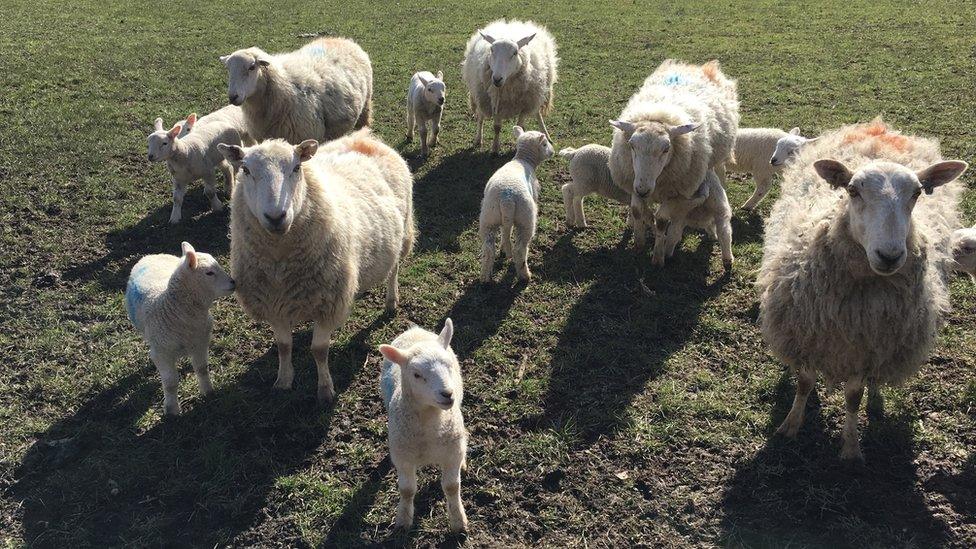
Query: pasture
[[609, 402]]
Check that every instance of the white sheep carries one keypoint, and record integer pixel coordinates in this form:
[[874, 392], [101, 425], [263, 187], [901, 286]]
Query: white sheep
[[963, 248], [511, 201], [763, 152], [189, 149], [853, 276], [509, 69], [677, 127], [425, 103], [421, 387], [168, 301], [320, 91], [709, 210], [589, 167], [309, 231]]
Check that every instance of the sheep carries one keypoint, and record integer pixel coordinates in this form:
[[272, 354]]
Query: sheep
[[511, 201], [853, 277], [677, 127], [589, 167], [168, 301], [425, 103], [763, 152], [963, 246], [309, 231], [509, 69], [189, 149], [421, 387], [320, 91]]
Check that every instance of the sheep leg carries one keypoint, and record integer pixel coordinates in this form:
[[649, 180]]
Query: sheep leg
[[170, 377], [875, 404], [853, 393], [407, 484], [479, 131], [210, 190], [393, 288], [763, 184], [524, 235], [410, 121], [640, 227], [488, 236], [229, 179], [676, 231], [578, 207], [806, 380], [321, 340], [423, 139], [542, 124], [435, 128], [179, 191], [199, 359], [567, 190], [451, 484], [286, 374], [723, 230], [496, 143], [507, 239]]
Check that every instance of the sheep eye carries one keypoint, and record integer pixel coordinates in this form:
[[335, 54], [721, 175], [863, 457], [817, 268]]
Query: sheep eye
[[252, 67], [416, 375], [210, 273], [514, 54], [297, 167], [245, 170], [666, 148], [165, 143], [853, 192]]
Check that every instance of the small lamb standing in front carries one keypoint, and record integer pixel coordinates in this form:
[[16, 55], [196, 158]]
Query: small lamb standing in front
[[425, 103], [168, 300], [511, 200], [763, 152], [420, 383]]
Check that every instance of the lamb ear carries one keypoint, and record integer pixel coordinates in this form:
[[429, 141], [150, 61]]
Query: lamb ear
[[675, 131], [487, 37], [175, 130], [233, 153], [189, 255], [521, 43], [263, 62], [191, 120], [833, 172], [940, 173], [809, 140], [158, 125], [306, 149], [423, 80], [224, 59], [626, 127], [795, 131], [446, 334], [440, 75], [517, 131], [393, 354]]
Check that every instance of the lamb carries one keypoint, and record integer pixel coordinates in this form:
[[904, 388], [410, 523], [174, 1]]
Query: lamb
[[509, 69], [190, 151], [320, 91], [420, 383], [680, 125], [963, 246], [511, 201], [763, 152], [425, 103], [589, 166], [309, 231], [168, 301], [853, 277]]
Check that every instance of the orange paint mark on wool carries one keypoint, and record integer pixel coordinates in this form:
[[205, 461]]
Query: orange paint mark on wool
[[880, 134], [711, 70], [365, 146]]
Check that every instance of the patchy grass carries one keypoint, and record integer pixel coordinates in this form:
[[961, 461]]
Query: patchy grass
[[600, 413]]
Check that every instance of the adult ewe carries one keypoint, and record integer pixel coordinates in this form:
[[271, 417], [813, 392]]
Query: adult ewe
[[509, 68], [309, 231], [321, 91], [678, 126], [853, 278]]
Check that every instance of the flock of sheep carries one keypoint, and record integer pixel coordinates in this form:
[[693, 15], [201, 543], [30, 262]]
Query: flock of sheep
[[857, 254]]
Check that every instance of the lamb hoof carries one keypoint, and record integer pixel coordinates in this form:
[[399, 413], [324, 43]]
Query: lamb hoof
[[409, 138], [727, 265], [326, 395], [280, 385], [171, 411], [174, 219], [788, 429], [657, 260], [460, 527], [851, 453], [525, 276]]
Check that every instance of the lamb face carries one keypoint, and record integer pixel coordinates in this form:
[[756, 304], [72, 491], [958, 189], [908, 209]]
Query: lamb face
[[426, 371], [206, 274], [788, 147], [964, 249], [435, 90], [161, 141]]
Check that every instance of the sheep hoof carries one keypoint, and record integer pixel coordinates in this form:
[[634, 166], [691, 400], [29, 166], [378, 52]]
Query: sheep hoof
[[174, 219], [281, 385], [460, 527], [851, 452], [727, 265], [171, 411], [409, 138], [657, 260], [525, 276], [326, 395], [788, 429]]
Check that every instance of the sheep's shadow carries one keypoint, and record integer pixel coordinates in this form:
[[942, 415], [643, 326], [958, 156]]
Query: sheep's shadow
[[747, 227], [798, 492], [206, 230], [480, 310]]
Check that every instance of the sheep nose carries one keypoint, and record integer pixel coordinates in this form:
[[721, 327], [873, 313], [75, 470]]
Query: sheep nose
[[889, 259], [233, 284], [275, 220], [448, 395], [497, 81], [772, 161], [151, 158], [440, 100], [232, 98]]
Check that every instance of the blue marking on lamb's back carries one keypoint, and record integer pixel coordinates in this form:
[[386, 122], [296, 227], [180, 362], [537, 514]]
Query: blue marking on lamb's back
[[676, 80], [387, 382], [134, 295]]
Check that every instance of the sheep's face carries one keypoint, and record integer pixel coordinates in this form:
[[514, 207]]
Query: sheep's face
[[162, 142], [788, 147], [882, 196], [504, 60], [651, 146], [964, 250], [270, 177], [535, 143], [207, 275], [435, 91], [427, 371], [243, 73]]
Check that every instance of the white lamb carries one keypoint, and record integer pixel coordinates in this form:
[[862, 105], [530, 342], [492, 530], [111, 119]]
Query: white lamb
[[763, 152], [511, 201], [168, 301], [321, 91], [853, 277], [589, 166], [190, 151], [420, 383], [309, 231], [509, 69], [963, 248], [425, 103], [680, 125]]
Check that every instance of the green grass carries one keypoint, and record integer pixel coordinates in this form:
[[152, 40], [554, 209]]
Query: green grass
[[600, 413]]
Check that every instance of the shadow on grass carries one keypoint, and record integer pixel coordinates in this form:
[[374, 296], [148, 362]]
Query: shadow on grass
[[747, 227], [798, 492]]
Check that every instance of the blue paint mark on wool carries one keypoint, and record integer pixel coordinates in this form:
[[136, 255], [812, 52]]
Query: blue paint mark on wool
[[315, 51], [387, 382], [134, 295], [675, 80]]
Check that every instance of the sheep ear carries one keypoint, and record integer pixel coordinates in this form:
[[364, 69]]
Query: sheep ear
[[833, 172], [795, 131], [675, 131], [440, 75], [446, 334], [175, 130], [393, 354], [521, 43], [233, 153], [487, 37], [626, 127], [306, 149], [263, 62], [940, 173], [191, 120], [423, 80], [224, 59], [809, 140], [517, 131], [158, 125], [189, 255]]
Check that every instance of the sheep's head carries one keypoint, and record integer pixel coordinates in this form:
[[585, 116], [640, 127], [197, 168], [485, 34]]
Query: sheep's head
[[271, 178], [964, 250], [787, 147], [882, 196], [651, 145], [427, 370], [534, 143], [434, 90], [162, 142], [243, 71], [505, 60], [205, 274]]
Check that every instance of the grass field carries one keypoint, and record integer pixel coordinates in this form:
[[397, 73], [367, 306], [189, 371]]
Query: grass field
[[609, 403]]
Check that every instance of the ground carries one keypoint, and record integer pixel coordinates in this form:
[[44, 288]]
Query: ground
[[609, 402]]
